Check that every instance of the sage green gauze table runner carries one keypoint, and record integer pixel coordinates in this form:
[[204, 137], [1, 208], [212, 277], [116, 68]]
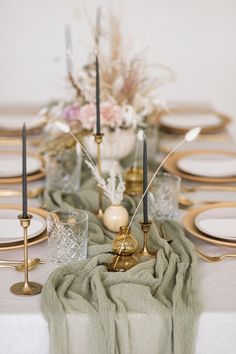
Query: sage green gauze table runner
[[159, 294]]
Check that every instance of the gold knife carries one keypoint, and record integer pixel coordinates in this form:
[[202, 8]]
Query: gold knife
[[209, 188]]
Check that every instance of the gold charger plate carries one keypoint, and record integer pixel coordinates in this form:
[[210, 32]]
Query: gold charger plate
[[30, 177], [223, 121], [8, 111], [189, 225], [32, 241], [171, 166], [17, 133]]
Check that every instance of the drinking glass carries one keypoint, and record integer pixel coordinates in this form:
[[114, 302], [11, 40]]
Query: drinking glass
[[63, 170], [67, 235], [163, 196]]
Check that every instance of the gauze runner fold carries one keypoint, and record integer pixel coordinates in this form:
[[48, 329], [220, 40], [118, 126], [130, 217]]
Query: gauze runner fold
[[152, 308]]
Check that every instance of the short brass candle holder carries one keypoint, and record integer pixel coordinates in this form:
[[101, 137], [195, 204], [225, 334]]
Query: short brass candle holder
[[98, 139], [134, 181], [124, 246], [26, 287], [145, 252]]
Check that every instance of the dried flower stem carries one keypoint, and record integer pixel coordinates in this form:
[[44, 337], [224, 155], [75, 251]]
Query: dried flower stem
[[83, 148]]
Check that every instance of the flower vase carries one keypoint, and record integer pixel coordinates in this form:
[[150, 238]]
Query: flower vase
[[124, 247], [114, 217], [115, 146]]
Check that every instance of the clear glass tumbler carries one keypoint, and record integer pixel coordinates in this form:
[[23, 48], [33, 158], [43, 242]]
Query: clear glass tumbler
[[63, 170], [67, 235], [163, 196]]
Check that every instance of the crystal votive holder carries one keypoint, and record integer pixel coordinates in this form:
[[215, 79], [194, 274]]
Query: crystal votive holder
[[67, 235], [164, 196]]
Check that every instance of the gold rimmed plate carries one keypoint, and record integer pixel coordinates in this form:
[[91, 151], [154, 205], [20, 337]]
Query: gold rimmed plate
[[14, 177], [12, 119], [171, 166], [4, 246], [30, 178], [190, 227], [180, 120]]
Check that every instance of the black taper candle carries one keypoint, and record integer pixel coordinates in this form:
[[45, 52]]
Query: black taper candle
[[98, 132], [145, 183], [24, 174]]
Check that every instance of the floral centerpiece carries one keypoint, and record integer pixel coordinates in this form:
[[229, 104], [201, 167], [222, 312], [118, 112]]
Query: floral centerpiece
[[126, 93]]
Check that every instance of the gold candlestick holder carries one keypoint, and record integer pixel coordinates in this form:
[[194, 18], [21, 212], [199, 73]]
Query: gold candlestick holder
[[145, 252], [26, 287], [134, 181], [98, 139]]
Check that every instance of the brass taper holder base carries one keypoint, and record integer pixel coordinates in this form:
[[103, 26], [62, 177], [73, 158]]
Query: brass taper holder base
[[98, 140], [30, 288], [26, 287], [145, 252]]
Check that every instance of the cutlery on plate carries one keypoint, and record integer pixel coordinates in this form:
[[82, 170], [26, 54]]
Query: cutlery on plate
[[209, 188], [213, 259]]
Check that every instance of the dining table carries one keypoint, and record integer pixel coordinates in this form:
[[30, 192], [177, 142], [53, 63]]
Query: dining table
[[25, 330]]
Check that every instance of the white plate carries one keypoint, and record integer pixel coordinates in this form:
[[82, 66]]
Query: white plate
[[212, 165], [218, 222], [11, 231], [11, 165], [15, 122], [190, 120]]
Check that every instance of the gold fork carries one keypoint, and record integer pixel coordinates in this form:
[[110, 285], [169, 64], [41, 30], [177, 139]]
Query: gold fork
[[213, 259], [210, 259]]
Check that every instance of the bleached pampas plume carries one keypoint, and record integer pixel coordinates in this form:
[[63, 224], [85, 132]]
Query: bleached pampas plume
[[113, 186]]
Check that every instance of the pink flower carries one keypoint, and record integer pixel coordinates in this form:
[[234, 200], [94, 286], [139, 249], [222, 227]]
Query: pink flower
[[87, 116], [71, 112], [111, 115]]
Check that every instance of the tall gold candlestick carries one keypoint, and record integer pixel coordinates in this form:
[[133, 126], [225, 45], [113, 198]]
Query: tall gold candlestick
[[98, 140], [145, 226], [26, 287]]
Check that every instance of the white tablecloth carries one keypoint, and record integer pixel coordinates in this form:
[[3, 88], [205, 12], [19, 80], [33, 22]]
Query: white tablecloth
[[24, 330]]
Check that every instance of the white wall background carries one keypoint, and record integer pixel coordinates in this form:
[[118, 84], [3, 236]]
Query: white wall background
[[196, 38]]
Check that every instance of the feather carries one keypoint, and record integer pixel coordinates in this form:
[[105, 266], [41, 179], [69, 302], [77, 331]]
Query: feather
[[113, 187]]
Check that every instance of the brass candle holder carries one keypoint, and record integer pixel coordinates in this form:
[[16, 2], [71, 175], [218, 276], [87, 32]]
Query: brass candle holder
[[134, 181], [145, 252], [26, 287], [98, 139]]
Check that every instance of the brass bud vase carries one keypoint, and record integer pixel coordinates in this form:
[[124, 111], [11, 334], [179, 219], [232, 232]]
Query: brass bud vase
[[124, 246]]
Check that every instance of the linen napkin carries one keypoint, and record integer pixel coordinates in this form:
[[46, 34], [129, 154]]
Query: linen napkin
[[151, 308]]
